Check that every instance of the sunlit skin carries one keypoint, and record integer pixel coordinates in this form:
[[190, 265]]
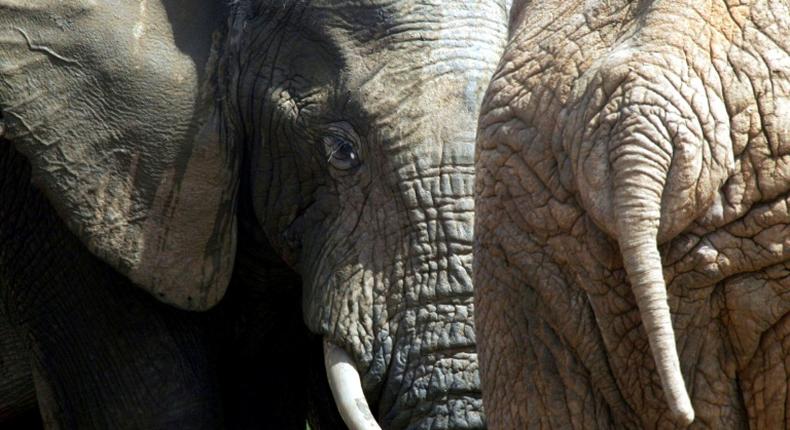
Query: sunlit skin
[[630, 217]]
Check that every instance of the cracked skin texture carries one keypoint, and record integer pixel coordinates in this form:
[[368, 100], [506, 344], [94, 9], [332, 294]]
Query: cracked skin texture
[[156, 140], [703, 90]]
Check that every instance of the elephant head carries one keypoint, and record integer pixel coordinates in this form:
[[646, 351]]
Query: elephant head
[[341, 131], [626, 124]]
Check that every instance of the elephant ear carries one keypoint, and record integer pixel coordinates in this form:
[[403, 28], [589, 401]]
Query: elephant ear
[[113, 104]]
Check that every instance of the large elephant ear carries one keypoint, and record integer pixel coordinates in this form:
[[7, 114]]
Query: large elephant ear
[[113, 103]]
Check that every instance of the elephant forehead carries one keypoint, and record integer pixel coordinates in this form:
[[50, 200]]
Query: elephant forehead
[[373, 19], [417, 47], [410, 59], [421, 75]]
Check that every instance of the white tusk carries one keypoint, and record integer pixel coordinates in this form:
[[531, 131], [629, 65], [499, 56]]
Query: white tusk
[[347, 389]]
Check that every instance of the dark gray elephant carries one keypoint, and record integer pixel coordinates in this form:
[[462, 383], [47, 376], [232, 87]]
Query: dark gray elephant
[[17, 394], [177, 138], [631, 250]]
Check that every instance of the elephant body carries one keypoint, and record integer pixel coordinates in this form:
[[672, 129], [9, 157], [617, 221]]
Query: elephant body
[[92, 339], [147, 364], [624, 144], [17, 393], [314, 159]]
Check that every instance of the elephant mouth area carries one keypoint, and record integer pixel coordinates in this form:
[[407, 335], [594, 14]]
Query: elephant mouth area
[[455, 410], [440, 391], [417, 364]]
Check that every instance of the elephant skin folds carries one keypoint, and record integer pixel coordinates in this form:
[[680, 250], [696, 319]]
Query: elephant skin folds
[[176, 139], [697, 94]]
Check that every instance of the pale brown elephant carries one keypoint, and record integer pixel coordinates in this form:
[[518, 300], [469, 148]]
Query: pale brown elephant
[[632, 250]]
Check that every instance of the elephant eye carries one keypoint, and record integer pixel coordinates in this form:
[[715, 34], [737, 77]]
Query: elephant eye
[[342, 154]]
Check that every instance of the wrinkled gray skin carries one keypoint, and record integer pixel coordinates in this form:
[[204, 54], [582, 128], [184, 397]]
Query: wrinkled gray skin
[[631, 225], [340, 133]]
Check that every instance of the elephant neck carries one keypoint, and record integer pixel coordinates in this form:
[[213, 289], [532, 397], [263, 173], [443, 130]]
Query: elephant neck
[[36, 248], [21, 204]]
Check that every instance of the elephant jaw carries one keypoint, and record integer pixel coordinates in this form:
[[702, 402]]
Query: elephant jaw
[[347, 389]]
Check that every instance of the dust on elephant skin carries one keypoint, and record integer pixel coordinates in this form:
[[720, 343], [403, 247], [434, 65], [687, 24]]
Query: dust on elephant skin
[[619, 140]]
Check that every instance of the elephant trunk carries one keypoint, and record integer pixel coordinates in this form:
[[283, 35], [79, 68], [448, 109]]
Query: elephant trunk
[[433, 377], [638, 187]]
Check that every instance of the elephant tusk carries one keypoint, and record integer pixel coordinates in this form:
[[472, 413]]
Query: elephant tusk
[[347, 389]]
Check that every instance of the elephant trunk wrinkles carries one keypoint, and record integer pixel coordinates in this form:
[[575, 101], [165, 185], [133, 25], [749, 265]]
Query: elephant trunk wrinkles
[[420, 370], [432, 379], [637, 201]]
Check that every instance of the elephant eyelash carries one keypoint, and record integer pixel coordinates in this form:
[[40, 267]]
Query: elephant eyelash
[[331, 154]]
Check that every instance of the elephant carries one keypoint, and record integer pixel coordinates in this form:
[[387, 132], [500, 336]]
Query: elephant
[[155, 154], [631, 245], [17, 394]]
